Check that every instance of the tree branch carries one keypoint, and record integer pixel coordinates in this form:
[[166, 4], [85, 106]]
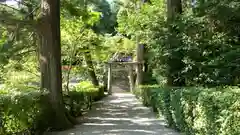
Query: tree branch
[[26, 52], [5, 5], [10, 20], [21, 2]]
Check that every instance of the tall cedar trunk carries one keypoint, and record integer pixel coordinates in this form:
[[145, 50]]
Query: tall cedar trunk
[[174, 9], [90, 68], [175, 64], [50, 56]]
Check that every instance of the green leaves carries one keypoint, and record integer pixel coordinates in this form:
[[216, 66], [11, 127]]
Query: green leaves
[[132, 21], [206, 44], [28, 112], [193, 110]]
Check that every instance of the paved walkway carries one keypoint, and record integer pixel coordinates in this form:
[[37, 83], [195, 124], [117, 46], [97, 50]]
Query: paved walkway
[[120, 114]]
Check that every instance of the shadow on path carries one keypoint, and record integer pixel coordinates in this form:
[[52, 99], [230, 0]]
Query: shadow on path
[[120, 114]]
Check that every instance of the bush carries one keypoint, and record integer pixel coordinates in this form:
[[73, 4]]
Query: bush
[[22, 111], [28, 112], [197, 111], [81, 97], [88, 87]]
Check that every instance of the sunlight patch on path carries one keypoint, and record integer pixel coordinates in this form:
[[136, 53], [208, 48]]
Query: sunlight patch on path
[[120, 114]]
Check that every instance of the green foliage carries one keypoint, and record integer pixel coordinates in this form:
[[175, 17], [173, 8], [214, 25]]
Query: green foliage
[[77, 39], [88, 88], [81, 8], [119, 44], [200, 47], [108, 18], [27, 112], [25, 109], [197, 110], [20, 110], [20, 74]]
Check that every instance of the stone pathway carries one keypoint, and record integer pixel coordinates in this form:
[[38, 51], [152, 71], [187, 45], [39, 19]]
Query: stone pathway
[[120, 114]]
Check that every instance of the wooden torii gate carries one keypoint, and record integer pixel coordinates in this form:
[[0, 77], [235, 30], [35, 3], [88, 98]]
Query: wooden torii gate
[[138, 64]]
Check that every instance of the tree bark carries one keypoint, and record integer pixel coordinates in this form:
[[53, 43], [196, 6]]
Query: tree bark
[[90, 68], [174, 8], [175, 64], [139, 69], [50, 57]]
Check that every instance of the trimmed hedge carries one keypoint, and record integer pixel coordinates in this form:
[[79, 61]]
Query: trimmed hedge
[[196, 111], [81, 97], [28, 112], [20, 111]]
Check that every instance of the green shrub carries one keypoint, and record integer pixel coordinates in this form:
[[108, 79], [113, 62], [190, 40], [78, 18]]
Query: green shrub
[[143, 93], [80, 98], [20, 111], [198, 111], [88, 88], [28, 111]]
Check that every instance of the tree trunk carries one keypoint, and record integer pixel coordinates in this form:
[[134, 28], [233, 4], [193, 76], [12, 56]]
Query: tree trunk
[[50, 56], [139, 69], [90, 68], [175, 64], [174, 8]]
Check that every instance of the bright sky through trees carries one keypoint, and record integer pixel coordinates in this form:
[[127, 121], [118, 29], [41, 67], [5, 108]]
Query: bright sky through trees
[[12, 2]]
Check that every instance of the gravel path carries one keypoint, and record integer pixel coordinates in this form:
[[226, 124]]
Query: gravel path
[[120, 114]]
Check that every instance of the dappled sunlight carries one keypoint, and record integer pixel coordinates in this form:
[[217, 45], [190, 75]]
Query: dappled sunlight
[[120, 114], [113, 67], [100, 124]]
